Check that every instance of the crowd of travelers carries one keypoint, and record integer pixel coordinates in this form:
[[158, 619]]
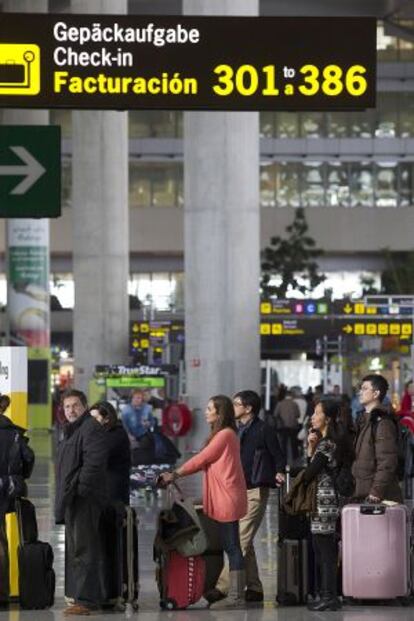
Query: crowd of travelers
[[243, 457]]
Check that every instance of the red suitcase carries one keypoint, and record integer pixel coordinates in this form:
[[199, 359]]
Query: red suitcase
[[180, 580]]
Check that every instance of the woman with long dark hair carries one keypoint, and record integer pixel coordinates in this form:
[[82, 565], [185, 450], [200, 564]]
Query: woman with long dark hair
[[119, 454], [329, 448], [224, 489]]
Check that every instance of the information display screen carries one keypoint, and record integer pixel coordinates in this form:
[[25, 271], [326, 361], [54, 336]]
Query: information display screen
[[210, 63]]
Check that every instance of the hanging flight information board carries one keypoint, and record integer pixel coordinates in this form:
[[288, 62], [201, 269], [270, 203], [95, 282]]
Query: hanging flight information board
[[211, 63]]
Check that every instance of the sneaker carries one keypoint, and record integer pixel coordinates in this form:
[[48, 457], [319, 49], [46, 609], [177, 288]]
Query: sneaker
[[253, 596]]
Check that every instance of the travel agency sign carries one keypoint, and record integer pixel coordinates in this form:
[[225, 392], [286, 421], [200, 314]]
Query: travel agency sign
[[206, 63]]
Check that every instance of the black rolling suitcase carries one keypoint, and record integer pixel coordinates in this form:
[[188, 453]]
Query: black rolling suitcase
[[35, 560], [294, 557], [123, 566]]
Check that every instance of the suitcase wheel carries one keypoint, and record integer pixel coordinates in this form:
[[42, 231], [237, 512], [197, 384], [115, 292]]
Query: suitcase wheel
[[169, 604]]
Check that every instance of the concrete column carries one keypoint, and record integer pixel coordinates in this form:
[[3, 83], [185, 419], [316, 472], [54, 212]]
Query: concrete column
[[222, 258], [100, 228]]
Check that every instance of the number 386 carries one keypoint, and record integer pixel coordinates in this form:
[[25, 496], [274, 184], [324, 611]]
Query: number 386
[[333, 80]]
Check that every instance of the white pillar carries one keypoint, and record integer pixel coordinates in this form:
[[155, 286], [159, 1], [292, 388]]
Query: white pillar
[[222, 247], [100, 228]]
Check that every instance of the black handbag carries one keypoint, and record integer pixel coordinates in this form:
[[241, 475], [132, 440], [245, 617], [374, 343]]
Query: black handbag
[[263, 471]]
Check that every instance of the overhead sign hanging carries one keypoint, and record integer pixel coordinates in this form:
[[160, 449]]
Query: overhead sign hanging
[[189, 63]]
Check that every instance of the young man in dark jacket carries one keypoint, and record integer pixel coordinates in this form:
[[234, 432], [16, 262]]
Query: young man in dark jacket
[[81, 498], [16, 465], [255, 435], [376, 448]]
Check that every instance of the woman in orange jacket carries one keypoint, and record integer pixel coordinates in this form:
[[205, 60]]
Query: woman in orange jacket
[[224, 489]]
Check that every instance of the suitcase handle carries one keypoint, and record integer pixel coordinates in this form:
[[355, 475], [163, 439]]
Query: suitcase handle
[[372, 509]]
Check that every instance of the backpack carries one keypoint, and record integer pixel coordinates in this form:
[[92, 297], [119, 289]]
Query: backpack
[[344, 481], [402, 437]]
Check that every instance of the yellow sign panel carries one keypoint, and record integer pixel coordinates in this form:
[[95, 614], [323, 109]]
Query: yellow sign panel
[[359, 309], [395, 329], [406, 329], [371, 329], [144, 343], [359, 328], [265, 308], [265, 328], [383, 329], [19, 69], [277, 328], [371, 310]]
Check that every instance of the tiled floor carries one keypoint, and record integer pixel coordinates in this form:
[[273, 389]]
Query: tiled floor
[[42, 491]]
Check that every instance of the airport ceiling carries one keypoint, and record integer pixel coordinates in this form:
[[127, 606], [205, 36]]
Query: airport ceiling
[[394, 9]]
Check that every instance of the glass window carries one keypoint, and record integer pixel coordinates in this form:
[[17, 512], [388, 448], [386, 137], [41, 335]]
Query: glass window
[[337, 124], [387, 47], [406, 47], [406, 101], [361, 124], [313, 185], [64, 119], [268, 184], [313, 125], [287, 125], [154, 124], [267, 124], [362, 184], [154, 290], [63, 287], [387, 115], [155, 184], [386, 194], [164, 185], [405, 184], [139, 185], [287, 185], [337, 189]]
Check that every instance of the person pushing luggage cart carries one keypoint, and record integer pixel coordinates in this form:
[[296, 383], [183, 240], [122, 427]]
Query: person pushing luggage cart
[[224, 489]]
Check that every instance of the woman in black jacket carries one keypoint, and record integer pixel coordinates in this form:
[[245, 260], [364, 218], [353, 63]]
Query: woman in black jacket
[[119, 454], [329, 449]]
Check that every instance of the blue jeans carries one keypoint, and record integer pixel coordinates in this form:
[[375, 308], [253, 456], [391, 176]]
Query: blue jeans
[[230, 539]]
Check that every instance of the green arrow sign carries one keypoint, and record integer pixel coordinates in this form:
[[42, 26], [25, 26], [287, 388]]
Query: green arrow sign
[[30, 171]]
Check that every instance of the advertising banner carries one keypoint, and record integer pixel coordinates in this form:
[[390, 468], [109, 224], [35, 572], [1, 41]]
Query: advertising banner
[[28, 283]]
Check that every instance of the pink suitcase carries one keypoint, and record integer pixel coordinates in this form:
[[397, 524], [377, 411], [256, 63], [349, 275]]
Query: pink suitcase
[[375, 551]]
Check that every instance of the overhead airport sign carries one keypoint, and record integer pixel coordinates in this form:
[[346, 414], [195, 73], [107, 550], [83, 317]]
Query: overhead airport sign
[[207, 63], [30, 174]]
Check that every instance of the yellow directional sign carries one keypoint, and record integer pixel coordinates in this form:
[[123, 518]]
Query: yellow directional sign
[[348, 308], [135, 328], [348, 329], [265, 308], [359, 308], [19, 69]]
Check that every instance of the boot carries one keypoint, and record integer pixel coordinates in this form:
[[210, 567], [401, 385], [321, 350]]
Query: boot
[[328, 599], [235, 597]]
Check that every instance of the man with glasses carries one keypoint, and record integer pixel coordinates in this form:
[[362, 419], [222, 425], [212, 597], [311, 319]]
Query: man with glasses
[[256, 437], [376, 448]]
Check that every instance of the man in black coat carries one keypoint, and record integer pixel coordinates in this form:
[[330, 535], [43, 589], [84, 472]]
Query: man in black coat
[[16, 465], [256, 437], [81, 499]]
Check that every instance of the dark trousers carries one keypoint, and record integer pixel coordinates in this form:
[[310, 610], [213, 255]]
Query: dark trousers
[[230, 539], [326, 558], [4, 561], [288, 439], [85, 571]]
